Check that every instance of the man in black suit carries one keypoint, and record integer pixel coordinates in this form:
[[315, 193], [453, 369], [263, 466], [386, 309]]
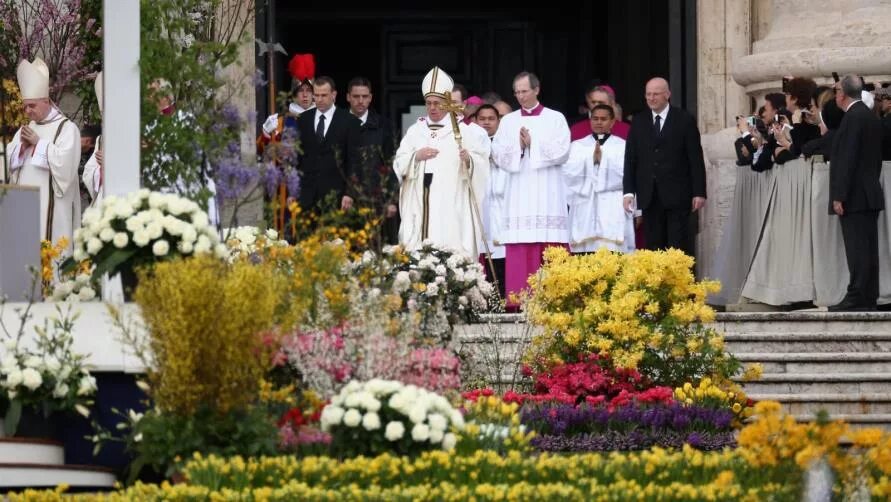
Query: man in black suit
[[329, 140], [377, 145], [664, 168], [856, 194]]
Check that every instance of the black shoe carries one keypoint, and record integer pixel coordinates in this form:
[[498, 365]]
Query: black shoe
[[851, 306]]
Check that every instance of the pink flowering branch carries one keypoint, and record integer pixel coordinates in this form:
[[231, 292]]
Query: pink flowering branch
[[51, 29]]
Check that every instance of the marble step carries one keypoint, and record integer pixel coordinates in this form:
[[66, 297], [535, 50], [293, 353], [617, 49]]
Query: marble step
[[819, 362], [878, 403], [776, 342], [820, 383], [804, 322], [21, 475], [855, 420], [31, 451]]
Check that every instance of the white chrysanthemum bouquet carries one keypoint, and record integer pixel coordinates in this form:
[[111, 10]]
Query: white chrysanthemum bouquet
[[140, 228], [369, 418]]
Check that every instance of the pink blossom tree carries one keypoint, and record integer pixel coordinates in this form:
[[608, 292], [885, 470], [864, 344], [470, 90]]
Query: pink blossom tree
[[56, 31]]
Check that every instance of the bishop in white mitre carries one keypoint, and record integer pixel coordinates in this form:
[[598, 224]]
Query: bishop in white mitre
[[441, 185], [531, 145], [593, 177], [45, 154]]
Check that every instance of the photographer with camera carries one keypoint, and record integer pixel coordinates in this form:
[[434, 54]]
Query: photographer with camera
[[799, 94], [752, 131], [830, 117], [763, 157]]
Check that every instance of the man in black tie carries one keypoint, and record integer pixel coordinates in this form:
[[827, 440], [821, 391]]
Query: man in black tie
[[664, 169], [856, 194], [329, 140]]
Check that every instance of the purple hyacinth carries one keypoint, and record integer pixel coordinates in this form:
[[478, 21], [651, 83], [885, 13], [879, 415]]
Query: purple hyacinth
[[632, 441]]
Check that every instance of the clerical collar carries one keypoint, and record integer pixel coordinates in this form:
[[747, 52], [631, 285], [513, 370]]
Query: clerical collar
[[532, 112], [601, 138], [297, 109], [52, 116]]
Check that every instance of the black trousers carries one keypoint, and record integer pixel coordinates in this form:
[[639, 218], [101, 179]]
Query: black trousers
[[498, 263], [666, 228], [861, 235]]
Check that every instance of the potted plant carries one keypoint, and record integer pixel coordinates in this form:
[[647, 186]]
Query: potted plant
[[138, 229], [41, 379]]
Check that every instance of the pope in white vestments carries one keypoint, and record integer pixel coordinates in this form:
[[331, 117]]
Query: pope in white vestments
[[593, 177], [441, 186], [45, 154], [531, 145]]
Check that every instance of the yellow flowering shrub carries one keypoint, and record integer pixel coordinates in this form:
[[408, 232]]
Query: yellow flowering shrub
[[645, 310], [203, 318], [317, 281], [723, 394], [13, 111]]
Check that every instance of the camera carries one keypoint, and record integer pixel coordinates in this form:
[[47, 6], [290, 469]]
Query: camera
[[786, 81]]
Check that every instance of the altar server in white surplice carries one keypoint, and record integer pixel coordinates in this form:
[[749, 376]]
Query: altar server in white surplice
[[531, 144], [435, 176], [45, 154], [593, 176]]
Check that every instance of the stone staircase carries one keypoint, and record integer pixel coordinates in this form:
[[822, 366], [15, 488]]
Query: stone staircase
[[39, 463], [812, 360], [840, 362]]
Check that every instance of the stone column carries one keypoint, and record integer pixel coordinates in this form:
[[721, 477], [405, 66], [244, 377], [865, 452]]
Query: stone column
[[240, 91], [723, 35], [813, 38]]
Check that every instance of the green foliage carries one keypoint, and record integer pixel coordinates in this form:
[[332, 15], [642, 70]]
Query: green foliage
[[187, 44], [163, 442]]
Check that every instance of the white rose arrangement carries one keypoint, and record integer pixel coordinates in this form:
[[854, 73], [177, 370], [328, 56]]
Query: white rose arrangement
[[46, 377], [140, 228], [369, 418]]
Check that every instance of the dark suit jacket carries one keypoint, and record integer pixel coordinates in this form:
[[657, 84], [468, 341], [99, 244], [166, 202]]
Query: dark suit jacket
[[377, 146], [820, 146], [857, 162], [326, 166], [886, 137], [671, 161]]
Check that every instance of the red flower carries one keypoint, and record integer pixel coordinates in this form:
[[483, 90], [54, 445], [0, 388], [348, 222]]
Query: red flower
[[294, 417]]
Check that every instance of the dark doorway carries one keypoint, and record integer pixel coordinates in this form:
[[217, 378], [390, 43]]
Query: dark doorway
[[568, 44]]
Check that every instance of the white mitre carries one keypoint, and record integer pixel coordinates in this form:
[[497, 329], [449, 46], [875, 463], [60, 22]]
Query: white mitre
[[437, 83], [33, 79], [98, 86]]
